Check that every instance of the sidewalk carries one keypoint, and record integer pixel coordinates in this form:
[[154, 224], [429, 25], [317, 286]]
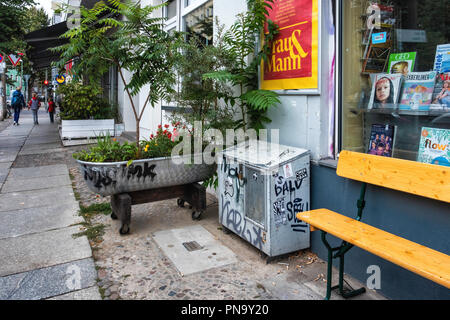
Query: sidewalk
[[38, 216]]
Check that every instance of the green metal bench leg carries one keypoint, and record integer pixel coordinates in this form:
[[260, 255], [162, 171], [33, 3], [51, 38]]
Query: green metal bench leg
[[342, 249], [329, 266]]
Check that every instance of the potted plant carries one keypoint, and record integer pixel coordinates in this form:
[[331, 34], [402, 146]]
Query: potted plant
[[126, 35], [84, 113]]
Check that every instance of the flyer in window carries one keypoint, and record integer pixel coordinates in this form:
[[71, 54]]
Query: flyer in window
[[442, 61], [441, 95], [402, 62], [418, 90], [434, 146], [385, 91]]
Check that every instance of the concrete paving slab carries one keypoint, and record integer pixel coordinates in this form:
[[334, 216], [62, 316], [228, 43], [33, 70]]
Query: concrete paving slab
[[211, 255], [42, 250], [12, 142], [49, 282], [36, 198], [5, 165], [15, 184], [46, 145], [91, 293], [37, 172], [8, 157], [41, 140], [33, 220], [40, 151]]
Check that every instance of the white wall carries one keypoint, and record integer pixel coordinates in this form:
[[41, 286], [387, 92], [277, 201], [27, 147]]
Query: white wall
[[303, 120], [125, 104]]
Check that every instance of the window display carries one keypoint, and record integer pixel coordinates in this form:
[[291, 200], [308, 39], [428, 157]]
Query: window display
[[396, 76]]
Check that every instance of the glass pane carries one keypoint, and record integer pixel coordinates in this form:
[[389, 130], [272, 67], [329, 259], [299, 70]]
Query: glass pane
[[199, 23], [171, 9], [389, 50]]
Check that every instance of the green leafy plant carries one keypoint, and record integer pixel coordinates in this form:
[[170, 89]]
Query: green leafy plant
[[202, 97], [83, 102], [108, 149], [240, 43], [125, 34]]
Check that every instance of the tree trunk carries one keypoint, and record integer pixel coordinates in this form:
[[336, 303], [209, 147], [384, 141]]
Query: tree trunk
[[3, 110], [137, 138]]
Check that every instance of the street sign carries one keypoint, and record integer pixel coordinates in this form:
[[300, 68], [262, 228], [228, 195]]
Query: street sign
[[61, 79], [14, 59]]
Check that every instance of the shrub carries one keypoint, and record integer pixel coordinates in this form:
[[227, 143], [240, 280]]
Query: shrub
[[83, 102]]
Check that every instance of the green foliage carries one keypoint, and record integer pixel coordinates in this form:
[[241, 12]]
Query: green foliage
[[11, 35], [124, 34], [201, 95], [240, 44], [83, 102], [34, 19], [108, 149], [159, 145]]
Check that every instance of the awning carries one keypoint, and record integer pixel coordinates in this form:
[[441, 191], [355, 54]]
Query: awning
[[41, 41]]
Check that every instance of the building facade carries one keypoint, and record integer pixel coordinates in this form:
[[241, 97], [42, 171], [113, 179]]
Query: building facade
[[353, 42]]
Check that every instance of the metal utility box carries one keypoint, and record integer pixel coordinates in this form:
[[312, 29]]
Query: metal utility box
[[261, 188]]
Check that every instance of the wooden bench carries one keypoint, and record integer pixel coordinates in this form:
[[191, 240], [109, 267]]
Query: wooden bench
[[431, 181]]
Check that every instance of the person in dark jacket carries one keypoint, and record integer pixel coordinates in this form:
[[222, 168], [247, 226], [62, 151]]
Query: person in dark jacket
[[17, 102]]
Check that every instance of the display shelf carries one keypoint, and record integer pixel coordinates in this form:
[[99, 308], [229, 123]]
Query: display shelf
[[397, 112]]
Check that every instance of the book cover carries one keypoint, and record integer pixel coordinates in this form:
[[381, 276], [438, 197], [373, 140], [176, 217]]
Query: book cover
[[385, 91], [434, 146], [382, 140], [417, 93], [442, 60], [441, 94], [402, 62]]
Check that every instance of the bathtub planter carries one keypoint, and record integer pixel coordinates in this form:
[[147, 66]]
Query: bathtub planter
[[110, 178]]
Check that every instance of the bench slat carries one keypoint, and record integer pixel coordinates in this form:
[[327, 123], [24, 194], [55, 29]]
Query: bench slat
[[427, 180], [419, 259]]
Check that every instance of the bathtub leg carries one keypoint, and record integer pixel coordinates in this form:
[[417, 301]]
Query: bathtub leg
[[121, 207]]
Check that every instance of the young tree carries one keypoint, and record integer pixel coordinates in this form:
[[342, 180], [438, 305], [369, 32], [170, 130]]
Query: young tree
[[125, 34], [240, 43], [34, 19]]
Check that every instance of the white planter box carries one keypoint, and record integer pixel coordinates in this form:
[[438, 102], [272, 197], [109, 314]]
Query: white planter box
[[71, 129]]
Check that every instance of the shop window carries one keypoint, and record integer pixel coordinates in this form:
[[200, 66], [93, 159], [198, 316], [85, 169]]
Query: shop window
[[394, 80], [199, 23]]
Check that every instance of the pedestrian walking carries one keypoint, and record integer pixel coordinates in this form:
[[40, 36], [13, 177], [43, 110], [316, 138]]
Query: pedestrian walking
[[17, 102], [34, 105], [51, 109]]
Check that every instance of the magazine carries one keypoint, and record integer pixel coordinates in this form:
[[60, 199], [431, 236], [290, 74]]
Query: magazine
[[401, 62], [385, 91], [382, 140], [442, 61], [417, 91], [441, 94], [434, 146]]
